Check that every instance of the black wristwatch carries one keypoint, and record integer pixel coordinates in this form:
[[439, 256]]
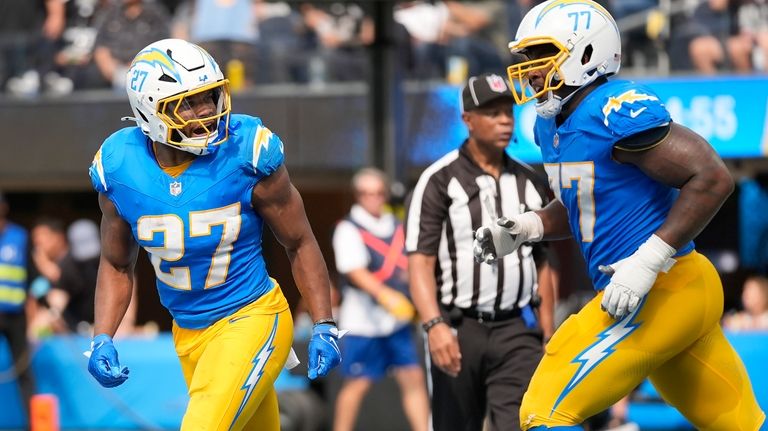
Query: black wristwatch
[[327, 320], [432, 323]]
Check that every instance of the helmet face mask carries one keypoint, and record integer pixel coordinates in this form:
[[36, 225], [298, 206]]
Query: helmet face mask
[[179, 96], [586, 40], [185, 127], [518, 73]]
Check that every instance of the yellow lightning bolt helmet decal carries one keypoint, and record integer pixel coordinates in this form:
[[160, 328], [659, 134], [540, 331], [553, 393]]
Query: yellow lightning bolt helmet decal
[[156, 57]]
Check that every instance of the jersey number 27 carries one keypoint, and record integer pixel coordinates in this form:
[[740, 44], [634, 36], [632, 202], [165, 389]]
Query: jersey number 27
[[200, 223]]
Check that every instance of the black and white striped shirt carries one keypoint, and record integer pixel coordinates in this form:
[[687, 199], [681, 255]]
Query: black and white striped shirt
[[453, 198]]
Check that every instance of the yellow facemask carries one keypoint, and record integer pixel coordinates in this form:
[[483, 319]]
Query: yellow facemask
[[168, 110], [518, 73]]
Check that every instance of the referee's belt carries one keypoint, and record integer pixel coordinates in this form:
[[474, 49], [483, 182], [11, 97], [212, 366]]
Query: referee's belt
[[488, 316]]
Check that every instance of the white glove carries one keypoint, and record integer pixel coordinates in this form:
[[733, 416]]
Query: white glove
[[506, 235], [633, 276]]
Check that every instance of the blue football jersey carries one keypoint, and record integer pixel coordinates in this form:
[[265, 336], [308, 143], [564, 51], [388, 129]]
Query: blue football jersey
[[612, 207], [199, 229]]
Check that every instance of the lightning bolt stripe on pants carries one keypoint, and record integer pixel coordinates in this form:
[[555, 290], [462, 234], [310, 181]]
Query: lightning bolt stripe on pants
[[593, 355], [259, 363]]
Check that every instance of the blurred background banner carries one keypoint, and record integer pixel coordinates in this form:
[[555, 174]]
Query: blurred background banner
[[154, 397], [729, 111], [345, 84]]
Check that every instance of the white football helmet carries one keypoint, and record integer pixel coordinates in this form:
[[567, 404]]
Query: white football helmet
[[574, 28], [161, 81]]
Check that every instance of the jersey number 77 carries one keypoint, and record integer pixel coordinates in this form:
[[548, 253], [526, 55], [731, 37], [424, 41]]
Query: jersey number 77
[[562, 176]]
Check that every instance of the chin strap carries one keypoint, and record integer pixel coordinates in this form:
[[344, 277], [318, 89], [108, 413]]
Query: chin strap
[[554, 104], [550, 107]]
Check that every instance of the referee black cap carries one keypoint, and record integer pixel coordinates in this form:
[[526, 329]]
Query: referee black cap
[[483, 89]]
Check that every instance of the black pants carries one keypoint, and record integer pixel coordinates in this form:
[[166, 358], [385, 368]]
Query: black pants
[[14, 327], [497, 362]]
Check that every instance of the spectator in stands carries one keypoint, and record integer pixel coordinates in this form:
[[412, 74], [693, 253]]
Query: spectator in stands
[[282, 43], [754, 298], [128, 26], [228, 30], [49, 247], [13, 287], [342, 31], [642, 32], [369, 248], [451, 35], [624, 8], [29, 32], [708, 28], [748, 47], [75, 56], [425, 22], [72, 298], [477, 32]]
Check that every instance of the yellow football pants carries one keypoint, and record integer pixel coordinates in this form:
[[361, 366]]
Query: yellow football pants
[[230, 368], [674, 338]]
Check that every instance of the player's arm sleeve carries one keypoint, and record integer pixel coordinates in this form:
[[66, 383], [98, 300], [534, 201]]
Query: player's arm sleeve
[[97, 173], [636, 119], [348, 248], [427, 210], [103, 169], [645, 139], [267, 153]]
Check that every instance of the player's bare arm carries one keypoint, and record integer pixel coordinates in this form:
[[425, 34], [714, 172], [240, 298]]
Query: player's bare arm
[[546, 310], [114, 284], [554, 218], [443, 345], [686, 161], [281, 206]]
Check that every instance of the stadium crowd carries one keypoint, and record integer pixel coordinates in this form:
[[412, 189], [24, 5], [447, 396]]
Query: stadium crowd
[[59, 46]]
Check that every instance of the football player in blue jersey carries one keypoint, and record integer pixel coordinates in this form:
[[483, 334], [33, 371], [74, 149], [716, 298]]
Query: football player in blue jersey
[[193, 184], [633, 189]]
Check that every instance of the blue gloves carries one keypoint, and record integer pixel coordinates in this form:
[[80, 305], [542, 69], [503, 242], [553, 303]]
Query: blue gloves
[[103, 364], [324, 352]]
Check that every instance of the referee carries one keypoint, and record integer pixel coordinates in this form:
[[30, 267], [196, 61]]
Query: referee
[[484, 338]]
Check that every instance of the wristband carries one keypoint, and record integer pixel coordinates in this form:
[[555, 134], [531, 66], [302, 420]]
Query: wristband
[[432, 323], [325, 321], [534, 226]]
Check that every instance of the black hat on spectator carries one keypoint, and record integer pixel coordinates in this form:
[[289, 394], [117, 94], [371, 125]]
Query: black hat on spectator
[[483, 89]]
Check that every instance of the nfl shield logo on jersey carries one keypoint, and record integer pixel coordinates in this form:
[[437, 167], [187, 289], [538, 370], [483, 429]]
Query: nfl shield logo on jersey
[[556, 141], [175, 188]]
